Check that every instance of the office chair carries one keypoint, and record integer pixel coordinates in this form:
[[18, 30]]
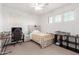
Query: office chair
[[17, 35]]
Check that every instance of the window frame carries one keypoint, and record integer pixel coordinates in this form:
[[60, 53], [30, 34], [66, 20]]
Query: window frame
[[73, 14], [55, 20], [50, 20], [62, 17]]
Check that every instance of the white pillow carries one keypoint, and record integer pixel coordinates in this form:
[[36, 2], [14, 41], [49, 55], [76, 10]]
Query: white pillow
[[35, 31]]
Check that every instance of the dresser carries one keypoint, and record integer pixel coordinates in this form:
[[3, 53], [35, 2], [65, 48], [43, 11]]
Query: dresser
[[70, 42], [27, 37]]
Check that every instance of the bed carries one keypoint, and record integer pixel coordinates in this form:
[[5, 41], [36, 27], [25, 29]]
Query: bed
[[42, 39]]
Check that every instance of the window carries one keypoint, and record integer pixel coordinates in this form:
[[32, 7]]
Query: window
[[58, 18], [69, 16], [50, 20]]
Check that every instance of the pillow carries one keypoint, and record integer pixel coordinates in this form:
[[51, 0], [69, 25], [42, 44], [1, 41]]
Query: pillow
[[35, 31]]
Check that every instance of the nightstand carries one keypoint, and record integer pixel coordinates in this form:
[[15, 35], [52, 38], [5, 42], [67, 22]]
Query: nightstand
[[27, 37]]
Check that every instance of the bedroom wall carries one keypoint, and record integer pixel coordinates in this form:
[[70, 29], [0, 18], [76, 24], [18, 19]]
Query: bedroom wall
[[13, 17], [71, 26], [0, 17]]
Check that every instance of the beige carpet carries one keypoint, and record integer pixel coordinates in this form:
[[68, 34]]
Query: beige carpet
[[31, 48]]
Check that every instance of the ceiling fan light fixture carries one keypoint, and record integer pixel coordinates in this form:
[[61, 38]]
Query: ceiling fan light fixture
[[38, 6]]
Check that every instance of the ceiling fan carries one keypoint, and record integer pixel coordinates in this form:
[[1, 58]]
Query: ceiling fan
[[39, 6]]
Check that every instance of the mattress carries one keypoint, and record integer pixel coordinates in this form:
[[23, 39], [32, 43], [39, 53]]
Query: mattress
[[43, 39]]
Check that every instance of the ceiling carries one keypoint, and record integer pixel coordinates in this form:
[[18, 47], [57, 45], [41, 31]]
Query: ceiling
[[27, 8]]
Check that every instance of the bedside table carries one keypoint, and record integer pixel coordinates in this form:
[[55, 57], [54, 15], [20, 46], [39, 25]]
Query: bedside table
[[27, 37]]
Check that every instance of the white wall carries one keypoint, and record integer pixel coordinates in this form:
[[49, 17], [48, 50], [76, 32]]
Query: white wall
[[13, 17], [0, 17], [72, 26]]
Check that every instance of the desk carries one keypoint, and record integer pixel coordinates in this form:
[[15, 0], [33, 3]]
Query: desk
[[4, 41]]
